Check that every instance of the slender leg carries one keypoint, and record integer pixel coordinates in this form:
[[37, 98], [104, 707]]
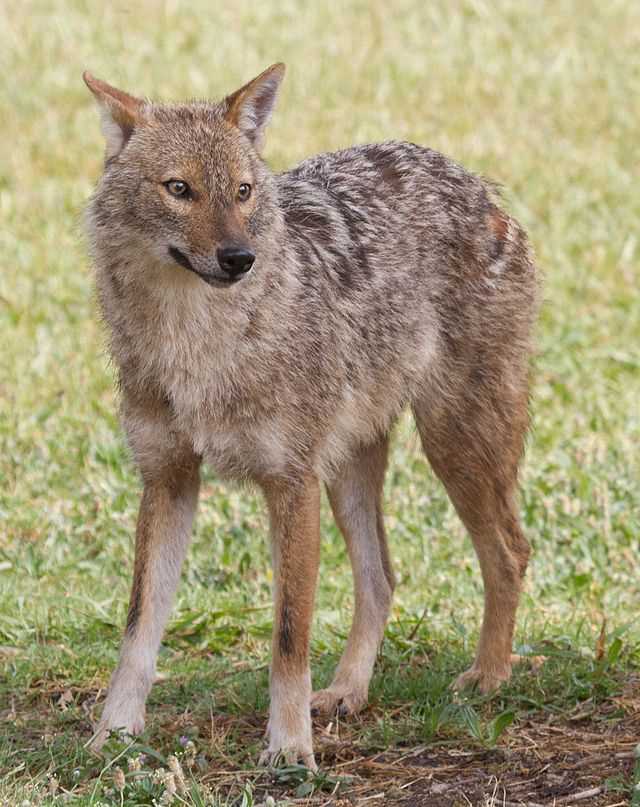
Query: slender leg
[[503, 553], [162, 536], [294, 510], [474, 448], [356, 502]]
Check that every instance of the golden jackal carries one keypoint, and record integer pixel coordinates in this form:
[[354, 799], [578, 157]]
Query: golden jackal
[[275, 326]]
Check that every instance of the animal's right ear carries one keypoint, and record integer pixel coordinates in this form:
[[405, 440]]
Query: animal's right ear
[[119, 113]]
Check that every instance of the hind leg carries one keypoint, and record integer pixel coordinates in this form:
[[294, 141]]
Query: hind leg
[[356, 502], [474, 444]]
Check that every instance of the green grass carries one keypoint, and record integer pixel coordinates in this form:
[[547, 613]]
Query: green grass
[[541, 97]]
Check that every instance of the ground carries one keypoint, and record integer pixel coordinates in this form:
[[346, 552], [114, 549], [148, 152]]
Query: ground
[[541, 98]]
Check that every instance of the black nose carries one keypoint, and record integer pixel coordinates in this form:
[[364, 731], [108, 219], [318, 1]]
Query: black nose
[[235, 261]]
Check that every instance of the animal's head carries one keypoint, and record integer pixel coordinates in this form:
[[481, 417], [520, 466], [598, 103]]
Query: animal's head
[[186, 182]]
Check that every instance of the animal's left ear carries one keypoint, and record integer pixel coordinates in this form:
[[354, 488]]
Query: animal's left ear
[[250, 107], [119, 113]]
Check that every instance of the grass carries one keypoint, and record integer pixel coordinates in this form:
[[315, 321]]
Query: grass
[[542, 98]]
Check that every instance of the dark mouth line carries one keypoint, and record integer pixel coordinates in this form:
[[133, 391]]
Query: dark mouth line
[[180, 258]]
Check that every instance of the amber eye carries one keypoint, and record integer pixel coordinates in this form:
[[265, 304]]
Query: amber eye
[[244, 192], [177, 188]]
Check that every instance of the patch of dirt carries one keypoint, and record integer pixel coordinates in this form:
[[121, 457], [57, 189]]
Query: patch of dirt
[[586, 760], [546, 760]]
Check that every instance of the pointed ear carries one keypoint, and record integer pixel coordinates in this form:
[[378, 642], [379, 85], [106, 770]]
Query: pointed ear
[[250, 107], [119, 113]]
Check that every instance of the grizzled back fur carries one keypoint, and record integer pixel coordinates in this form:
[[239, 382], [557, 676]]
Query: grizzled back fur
[[384, 275]]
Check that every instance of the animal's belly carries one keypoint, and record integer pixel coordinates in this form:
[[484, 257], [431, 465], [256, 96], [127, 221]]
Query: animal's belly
[[258, 451]]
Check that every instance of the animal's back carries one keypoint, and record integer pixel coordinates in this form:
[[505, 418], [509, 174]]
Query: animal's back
[[360, 202], [414, 275]]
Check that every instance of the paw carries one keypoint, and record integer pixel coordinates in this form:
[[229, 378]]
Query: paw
[[535, 663], [128, 723], [287, 749], [343, 701], [484, 680], [289, 741], [278, 757]]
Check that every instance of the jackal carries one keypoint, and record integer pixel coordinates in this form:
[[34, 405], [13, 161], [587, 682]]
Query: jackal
[[275, 326]]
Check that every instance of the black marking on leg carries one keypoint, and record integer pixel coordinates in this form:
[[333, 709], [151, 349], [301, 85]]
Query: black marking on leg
[[135, 604], [285, 632], [134, 611]]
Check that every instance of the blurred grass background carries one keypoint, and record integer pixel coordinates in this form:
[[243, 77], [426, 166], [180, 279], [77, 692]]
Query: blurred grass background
[[541, 97]]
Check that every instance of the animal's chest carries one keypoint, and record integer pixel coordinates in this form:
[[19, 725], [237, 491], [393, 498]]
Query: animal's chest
[[234, 429], [222, 398]]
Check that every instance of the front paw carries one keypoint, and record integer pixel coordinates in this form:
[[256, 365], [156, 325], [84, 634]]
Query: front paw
[[127, 720], [288, 746], [276, 758]]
